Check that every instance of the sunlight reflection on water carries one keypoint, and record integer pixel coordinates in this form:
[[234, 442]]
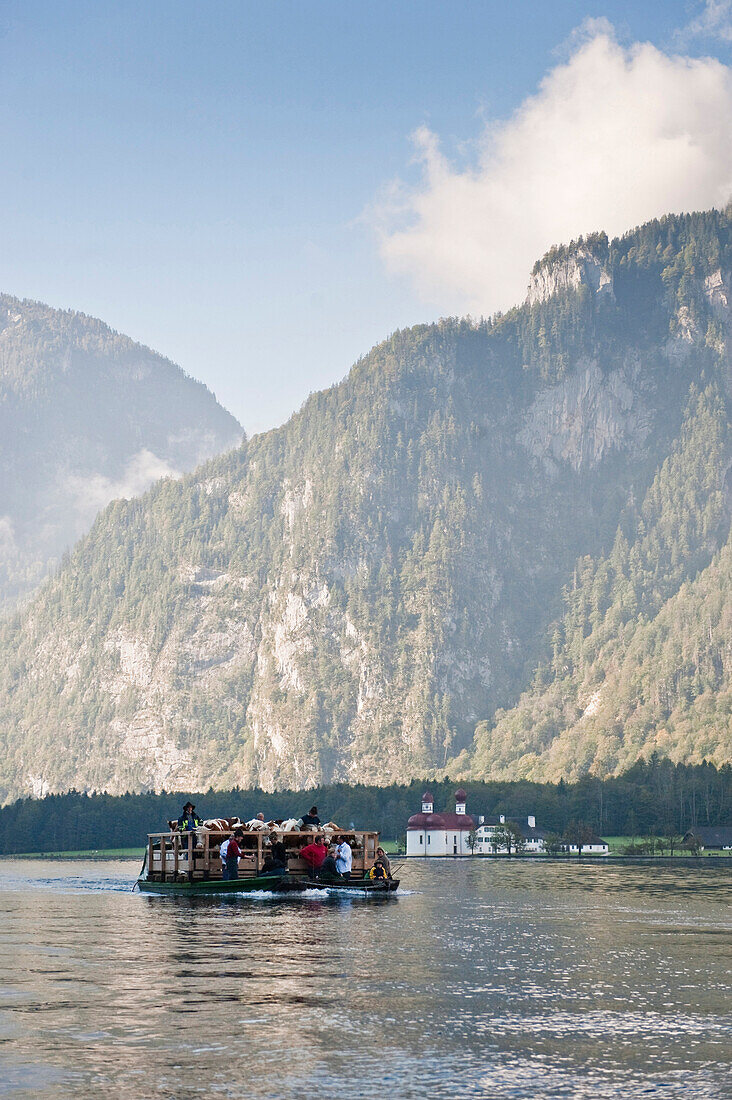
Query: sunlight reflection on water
[[506, 980]]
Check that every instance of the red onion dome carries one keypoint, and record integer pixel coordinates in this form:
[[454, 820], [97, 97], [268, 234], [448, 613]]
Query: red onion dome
[[461, 796], [426, 821], [462, 823]]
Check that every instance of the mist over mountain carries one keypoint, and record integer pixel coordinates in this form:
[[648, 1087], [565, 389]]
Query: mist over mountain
[[498, 548], [86, 415]]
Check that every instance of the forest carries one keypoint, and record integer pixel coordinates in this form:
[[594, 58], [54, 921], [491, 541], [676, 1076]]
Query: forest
[[498, 549], [652, 798]]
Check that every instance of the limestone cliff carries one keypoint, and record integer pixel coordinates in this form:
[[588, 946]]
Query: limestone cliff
[[470, 531], [569, 270]]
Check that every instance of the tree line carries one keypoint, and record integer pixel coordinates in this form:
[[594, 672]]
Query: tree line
[[654, 798]]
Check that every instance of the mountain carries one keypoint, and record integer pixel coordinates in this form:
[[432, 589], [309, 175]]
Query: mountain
[[86, 415], [484, 552]]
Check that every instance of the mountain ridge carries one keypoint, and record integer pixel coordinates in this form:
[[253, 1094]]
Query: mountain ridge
[[86, 415], [351, 595]]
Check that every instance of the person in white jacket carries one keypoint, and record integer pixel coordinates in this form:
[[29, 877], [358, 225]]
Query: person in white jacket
[[344, 857], [222, 853]]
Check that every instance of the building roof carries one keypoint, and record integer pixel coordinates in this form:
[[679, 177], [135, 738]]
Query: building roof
[[594, 839], [425, 821], [528, 832], [427, 797], [460, 795], [463, 822], [458, 821], [711, 836]]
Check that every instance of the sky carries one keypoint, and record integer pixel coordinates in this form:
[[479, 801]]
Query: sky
[[262, 191]]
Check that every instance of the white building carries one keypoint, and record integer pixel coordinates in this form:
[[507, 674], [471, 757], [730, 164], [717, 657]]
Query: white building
[[443, 834], [488, 831], [486, 835], [595, 847], [458, 834]]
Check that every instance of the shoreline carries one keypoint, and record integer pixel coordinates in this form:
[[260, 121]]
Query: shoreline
[[130, 855]]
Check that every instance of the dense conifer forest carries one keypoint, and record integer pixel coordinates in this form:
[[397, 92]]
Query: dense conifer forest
[[498, 549], [654, 798]]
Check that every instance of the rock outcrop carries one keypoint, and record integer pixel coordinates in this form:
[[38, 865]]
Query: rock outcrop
[[577, 268], [483, 525]]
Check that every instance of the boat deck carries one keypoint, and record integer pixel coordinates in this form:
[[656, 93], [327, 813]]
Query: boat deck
[[190, 859]]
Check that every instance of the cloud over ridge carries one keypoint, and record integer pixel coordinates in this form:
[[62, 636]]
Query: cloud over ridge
[[613, 137]]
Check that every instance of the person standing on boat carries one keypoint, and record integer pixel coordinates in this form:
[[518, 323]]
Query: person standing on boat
[[311, 818], [314, 855], [189, 820], [230, 858], [344, 858]]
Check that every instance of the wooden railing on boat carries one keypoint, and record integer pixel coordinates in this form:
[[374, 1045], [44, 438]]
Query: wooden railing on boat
[[186, 857]]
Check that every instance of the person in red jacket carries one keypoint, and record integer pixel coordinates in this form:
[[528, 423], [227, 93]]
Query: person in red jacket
[[230, 868], [314, 855]]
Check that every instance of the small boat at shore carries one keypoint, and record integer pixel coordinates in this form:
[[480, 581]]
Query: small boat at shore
[[188, 864]]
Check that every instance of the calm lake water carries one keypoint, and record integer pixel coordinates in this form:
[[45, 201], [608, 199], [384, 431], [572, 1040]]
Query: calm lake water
[[485, 979]]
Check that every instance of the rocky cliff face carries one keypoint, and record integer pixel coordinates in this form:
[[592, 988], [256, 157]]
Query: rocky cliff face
[[349, 596], [569, 272], [590, 414]]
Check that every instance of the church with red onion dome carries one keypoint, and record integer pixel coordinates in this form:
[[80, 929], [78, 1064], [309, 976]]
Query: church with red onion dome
[[441, 834]]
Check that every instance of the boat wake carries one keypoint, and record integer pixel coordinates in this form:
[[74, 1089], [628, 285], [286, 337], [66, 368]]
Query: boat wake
[[296, 895]]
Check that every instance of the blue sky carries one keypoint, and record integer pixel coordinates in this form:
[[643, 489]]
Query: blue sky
[[217, 180]]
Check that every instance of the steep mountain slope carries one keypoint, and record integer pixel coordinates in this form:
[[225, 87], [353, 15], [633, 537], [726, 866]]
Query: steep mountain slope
[[348, 596], [85, 415], [641, 657]]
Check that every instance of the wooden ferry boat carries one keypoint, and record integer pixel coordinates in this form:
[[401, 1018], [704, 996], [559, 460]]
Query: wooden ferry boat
[[187, 864]]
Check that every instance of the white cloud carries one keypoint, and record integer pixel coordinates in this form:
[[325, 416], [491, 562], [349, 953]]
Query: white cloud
[[612, 138], [89, 494], [715, 21]]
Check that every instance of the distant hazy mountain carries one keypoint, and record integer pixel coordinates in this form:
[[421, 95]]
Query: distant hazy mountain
[[496, 548], [86, 415]]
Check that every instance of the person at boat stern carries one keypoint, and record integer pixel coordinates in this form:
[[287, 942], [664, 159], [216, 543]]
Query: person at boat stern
[[344, 858], [383, 859], [314, 855]]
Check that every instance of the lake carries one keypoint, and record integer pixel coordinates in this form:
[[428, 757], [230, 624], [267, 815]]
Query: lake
[[500, 979]]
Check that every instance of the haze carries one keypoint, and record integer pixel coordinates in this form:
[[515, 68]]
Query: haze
[[235, 185]]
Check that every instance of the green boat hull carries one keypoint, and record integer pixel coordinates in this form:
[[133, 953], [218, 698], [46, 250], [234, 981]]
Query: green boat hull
[[270, 883]]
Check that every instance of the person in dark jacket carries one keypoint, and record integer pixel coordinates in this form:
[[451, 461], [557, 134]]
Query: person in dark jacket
[[189, 819], [329, 870], [312, 817], [275, 862], [278, 851], [272, 866]]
